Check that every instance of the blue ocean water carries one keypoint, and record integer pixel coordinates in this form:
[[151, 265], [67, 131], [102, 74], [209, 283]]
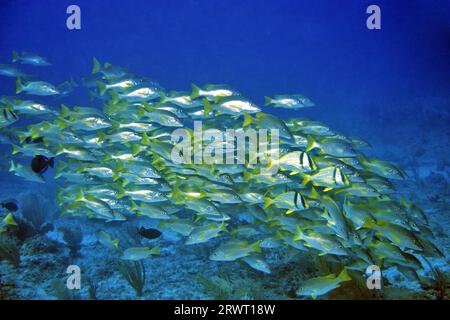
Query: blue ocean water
[[389, 86]]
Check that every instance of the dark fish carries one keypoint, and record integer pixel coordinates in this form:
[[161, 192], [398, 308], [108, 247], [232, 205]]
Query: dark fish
[[149, 233], [10, 206], [35, 140], [40, 164]]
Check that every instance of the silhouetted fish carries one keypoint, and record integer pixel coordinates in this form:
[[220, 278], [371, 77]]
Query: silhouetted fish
[[149, 233], [10, 206], [34, 140], [40, 164]]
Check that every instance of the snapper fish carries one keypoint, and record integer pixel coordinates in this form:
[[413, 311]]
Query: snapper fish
[[257, 262], [383, 168], [331, 146], [107, 240], [119, 85], [235, 106], [30, 107], [29, 58], [309, 127], [37, 88], [293, 101], [107, 70], [144, 93], [320, 286], [326, 244], [10, 71], [205, 233], [180, 99], [26, 173], [234, 250], [292, 201], [216, 92], [139, 253], [330, 177]]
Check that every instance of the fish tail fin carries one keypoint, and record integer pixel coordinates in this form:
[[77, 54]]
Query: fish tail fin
[[256, 246], [12, 166], [19, 85], [61, 166], [248, 119], [22, 137], [95, 66], [35, 132], [79, 196], [268, 202], [369, 224], [247, 176], [135, 149], [311, 143], [298, 233], [162, 97], [101, 136], [195, 91], [314, 194], [59, 149], [155, 250], [176, 193], [59, 196], [344, 276], [115, 243], [223, 227], [207, 106], [101, 87], [15, 149], [114, 97], [306, 179], [9, 220], [115, 125], [62, 124], [64, 111], [145, 141], [267, 101], [217, 99], [120, 192], [117, 170]]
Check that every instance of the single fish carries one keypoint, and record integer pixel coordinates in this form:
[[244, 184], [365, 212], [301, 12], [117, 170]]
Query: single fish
[[9, 205], [320, 286], [139, 253], [40, 164], [29, 58], [293, 101], [149, 233]]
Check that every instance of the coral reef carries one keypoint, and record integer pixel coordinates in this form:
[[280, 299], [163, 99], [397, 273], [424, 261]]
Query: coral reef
[[73, 238], [9, 250]]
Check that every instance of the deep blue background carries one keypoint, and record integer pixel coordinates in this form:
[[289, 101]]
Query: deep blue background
[[321, 48]]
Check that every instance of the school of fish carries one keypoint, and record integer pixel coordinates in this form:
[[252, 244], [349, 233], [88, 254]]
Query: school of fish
[[326, 198]]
